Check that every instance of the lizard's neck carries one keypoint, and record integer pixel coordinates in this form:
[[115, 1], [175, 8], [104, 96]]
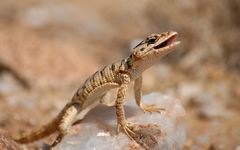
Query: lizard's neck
[[136, 69]]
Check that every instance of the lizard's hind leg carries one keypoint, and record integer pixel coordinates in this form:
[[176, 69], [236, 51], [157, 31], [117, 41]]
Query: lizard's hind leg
[[67, 119]]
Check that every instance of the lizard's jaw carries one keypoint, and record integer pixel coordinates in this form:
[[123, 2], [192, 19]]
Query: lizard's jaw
[[163, 47]]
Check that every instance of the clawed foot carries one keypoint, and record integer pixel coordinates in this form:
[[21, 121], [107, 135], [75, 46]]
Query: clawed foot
[[128, 129], [151, 108]]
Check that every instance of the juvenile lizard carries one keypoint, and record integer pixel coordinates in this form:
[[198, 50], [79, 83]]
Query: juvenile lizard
[[117, 75]]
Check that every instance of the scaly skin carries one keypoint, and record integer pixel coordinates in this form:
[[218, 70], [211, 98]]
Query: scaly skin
[[117, 75]]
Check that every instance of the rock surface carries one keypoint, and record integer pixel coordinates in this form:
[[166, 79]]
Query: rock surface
[[155, 131]]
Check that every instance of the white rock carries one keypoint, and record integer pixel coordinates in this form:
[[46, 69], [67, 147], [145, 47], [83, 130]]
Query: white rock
[[97, 131]]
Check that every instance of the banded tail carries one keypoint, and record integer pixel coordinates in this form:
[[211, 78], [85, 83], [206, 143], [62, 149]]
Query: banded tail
[[43, 131], [37, 134]]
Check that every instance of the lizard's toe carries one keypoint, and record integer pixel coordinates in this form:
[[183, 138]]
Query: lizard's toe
[[128, 129]]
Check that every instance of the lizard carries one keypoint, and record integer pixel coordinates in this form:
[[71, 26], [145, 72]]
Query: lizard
[[94, 90]]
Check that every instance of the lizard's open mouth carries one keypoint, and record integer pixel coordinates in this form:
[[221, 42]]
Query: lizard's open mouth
[[167, 42]]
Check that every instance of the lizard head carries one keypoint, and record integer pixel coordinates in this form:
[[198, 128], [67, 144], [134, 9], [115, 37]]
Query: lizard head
[[155, 44], [147, 52]]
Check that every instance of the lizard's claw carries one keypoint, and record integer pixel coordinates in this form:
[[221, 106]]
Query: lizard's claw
[[128, 129], [151, 108]]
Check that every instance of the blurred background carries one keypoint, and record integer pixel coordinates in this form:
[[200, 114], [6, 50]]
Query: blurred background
[[47, 48]]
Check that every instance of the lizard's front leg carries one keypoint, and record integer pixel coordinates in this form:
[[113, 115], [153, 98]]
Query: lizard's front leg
[[138, 99], [121, 120]]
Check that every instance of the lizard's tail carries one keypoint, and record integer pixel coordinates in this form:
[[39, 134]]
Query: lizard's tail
[[41, 132], [36, 134]]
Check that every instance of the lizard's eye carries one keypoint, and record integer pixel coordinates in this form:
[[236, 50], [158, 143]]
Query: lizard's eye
[[151, 41]]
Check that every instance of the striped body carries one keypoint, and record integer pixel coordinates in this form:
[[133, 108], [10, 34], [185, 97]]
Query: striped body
[[100, 82]]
